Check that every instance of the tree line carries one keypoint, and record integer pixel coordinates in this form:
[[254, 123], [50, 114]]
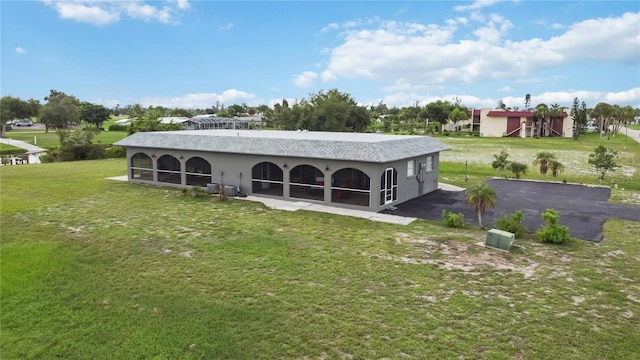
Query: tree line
[[330, 110]]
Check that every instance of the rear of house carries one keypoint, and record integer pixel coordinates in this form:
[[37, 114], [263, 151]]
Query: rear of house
[[361, 171]]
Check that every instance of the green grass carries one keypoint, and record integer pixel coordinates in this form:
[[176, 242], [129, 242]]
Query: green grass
[[50, 140], [634, 127], [478, 152], [93, 268], [10, 150]]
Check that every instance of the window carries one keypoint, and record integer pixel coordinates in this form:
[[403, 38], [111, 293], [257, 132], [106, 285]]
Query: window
[[429, 163], [411, 168]]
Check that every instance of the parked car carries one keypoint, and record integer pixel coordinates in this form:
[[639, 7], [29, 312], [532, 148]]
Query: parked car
[[25, 122]]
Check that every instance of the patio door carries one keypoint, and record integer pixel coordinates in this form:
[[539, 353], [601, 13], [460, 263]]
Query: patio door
[[388, 186]]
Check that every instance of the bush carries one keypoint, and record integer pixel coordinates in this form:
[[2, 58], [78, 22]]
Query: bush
[[119, 127], [552, 232], [512, 223], [454, 220], [518, 169], [116, 152]]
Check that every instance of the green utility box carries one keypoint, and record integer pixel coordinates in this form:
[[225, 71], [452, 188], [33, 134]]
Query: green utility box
[[500, 239]]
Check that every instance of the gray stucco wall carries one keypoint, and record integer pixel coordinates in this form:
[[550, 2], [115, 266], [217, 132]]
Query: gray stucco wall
[[235, 169]]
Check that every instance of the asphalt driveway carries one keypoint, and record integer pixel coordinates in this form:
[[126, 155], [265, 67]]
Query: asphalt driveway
[[583, 209]]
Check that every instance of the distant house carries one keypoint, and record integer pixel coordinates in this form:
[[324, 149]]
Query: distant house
[[123, 122], [173, 120], [509, 123], [354, 170], [212, 122]]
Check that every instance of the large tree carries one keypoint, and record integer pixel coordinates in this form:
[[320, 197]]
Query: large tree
[[556, 112], [337, 111], [438, 111], [93, 113], [603, 112], [579, 115], [12, 108], [540, 113], [457, 114], [60, 110]]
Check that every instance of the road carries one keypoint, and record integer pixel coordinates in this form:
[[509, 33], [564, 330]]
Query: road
[[634, 134]]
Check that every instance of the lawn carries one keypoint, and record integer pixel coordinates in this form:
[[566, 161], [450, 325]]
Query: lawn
[[478, 153], [93, 268], [10, 150], [50, 140]]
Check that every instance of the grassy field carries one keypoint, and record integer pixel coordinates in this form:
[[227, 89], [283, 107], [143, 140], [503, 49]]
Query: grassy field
[[93, 268], [9, 149], [50, 140], [478, 152]]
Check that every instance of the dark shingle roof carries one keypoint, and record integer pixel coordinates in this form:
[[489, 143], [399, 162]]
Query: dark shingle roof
[[376, 148]]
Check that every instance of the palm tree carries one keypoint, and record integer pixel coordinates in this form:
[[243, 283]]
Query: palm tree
[[540, 114], [556, 167], [527, 101], [542, 160], [603, 113], [481, 197], [555, 112]]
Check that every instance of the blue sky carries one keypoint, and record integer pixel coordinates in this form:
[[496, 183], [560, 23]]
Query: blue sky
[[193, 54]]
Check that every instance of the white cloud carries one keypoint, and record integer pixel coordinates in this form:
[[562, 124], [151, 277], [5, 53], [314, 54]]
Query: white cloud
[[345, 25], [564, 98], [476, 5], [505, 88], [102, 12], [225, 27], [203, 100], [21, 50], [306, 79], [426, 54]]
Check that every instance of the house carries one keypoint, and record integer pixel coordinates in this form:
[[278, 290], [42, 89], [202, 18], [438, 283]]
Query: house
[[203, 122], [353, 170], [173, 120], [518, 123]]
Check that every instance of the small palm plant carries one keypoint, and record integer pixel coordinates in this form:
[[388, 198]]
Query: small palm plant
[[481, 197], [556, 167], [542, 160]]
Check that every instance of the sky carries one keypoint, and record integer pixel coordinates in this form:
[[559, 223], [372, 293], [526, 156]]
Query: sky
[[196, 54]]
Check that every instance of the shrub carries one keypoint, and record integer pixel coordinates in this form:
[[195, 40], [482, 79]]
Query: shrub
[[552, 232], [512, 223], [451, 219], [119, 127], [116, 152], [518, 169]]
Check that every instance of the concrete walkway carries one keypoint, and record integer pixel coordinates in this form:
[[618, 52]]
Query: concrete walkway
[[31, 149]]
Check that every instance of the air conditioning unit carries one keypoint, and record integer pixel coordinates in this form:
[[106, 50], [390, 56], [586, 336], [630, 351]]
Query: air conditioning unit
[[231, 190], [500, 239], [213, 188]]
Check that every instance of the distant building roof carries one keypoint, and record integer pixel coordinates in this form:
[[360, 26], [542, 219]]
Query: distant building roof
[[378, 148], [173, 120], [508, 113]]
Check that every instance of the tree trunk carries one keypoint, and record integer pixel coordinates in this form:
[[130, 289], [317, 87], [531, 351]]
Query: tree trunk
[[480, 220]]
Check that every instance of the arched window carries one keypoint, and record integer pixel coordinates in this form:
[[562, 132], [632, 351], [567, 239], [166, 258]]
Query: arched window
[[306, 182], [198, 172], [169, 169], [350, 186], [266, 178], [141, 167], [388, 186]]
